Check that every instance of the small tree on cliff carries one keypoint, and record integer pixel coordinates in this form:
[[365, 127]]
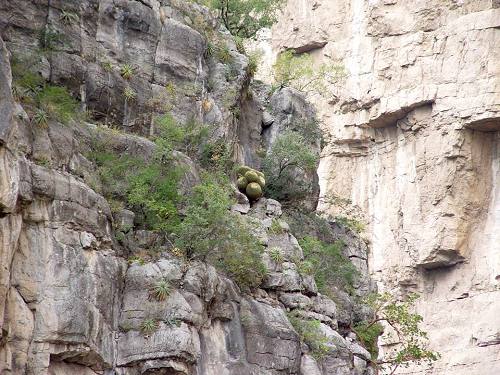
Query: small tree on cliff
[[299, 71], [412, 340], [243, 18], [290, 158]]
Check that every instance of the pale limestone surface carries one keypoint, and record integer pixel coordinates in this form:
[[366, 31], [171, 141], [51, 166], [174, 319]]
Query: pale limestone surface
[[414, 151]]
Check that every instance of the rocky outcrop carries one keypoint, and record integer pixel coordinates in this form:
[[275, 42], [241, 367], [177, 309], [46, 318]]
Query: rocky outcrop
[[77, 298], [413, 150], [157, 49]]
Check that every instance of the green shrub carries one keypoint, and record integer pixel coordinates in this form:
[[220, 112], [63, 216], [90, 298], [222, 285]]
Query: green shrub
[[276, 227], [153, 192], [57, 103], [217, 155], [186, 137], [310, 334], [49, 38], [304, 223], [412, 340], [290, 156], [212, 233], [243, 18], [368, 334], [253, 62], [43, 101], [149, 189], [299, 72], [329, 266], [223, 54], [353, 224], [210, 50]]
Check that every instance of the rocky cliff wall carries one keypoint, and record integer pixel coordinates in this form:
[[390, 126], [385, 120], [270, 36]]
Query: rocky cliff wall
[[413, 150], [75, 286]]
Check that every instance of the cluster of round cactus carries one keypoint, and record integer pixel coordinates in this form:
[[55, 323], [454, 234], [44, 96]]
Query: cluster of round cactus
[[250, 182]]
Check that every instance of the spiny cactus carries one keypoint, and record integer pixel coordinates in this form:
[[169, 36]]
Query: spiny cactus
[[253, 190], [252, 176], [250, 182], [242, 183]]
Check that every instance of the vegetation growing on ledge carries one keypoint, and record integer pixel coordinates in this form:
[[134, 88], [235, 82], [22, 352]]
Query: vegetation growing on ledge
[[42, 101], [353, 224], [290, 157], [206, 229], [244, 18], [212, 233], [298, 71], [328, 265], [404, 324], [310, 334]]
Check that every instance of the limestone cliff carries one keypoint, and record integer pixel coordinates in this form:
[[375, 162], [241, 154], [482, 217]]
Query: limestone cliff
[[74, 291], [414, 151]]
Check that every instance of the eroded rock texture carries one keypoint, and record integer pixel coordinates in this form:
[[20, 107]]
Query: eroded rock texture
[[414, 150], [74, 298]]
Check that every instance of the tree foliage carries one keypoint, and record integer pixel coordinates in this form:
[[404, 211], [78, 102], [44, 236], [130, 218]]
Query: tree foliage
[[212, 233], [244, 18], [327, 264], [399, 316], [310, 333], [290, 156], [298, 71]]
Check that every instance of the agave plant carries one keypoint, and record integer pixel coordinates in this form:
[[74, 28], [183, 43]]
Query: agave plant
[[148, 326], [161, 290], [127, 71], [41, 118], [68, 17], [129, 93], [276, 256], [224, 54], [107, 66], [209, 52]]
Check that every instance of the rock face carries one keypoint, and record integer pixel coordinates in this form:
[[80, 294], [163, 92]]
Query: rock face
[[414, 151], [157, 49], [75, 298]]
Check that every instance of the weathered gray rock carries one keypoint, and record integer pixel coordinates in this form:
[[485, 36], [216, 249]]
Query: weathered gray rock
[[273, 208], [271, 342], [76, 281], [6, 100]]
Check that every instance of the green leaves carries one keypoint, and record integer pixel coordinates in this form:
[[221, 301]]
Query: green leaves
[[299, 71], [243, 18], [290, 156], [310, 334], [399, 316], [327, 264], [161, 290], [212, 233]]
